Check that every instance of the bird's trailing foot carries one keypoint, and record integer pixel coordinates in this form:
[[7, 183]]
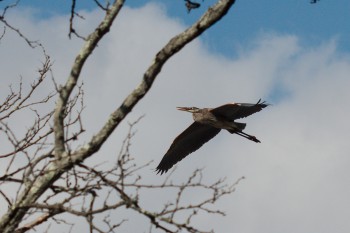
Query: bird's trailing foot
[[254, 139], [250, 137]]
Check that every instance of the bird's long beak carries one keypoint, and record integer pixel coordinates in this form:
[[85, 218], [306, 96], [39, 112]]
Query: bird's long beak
[[183, 109]]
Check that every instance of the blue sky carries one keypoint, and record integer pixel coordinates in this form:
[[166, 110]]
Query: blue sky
[[312, 22], [293, 54]]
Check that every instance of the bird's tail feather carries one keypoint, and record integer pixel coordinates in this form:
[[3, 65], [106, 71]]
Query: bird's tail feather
[[240, 126]]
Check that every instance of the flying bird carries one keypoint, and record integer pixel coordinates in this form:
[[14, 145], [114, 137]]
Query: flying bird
[[191, 5], [208, 122]]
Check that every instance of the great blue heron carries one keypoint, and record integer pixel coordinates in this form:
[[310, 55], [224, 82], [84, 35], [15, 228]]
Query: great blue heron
[[208, 122]]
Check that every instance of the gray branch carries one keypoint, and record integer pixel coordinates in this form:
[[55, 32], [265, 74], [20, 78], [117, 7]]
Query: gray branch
[[64, 161]]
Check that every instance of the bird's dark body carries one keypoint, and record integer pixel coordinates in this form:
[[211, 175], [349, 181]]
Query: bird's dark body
[[216, 121], [208, 118], [208, 122]]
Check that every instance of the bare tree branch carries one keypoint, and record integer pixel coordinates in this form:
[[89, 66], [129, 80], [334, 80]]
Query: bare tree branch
[[58, 173], [31, 43], [66, 90], [73, 13], [122, 188]]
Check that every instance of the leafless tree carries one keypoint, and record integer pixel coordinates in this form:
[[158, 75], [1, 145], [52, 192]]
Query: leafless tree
[[54, 180]]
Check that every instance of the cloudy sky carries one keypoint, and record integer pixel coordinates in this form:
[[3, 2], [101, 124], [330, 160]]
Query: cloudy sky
[[293, 54]]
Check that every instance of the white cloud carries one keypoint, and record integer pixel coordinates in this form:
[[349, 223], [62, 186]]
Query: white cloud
[[297, 178]]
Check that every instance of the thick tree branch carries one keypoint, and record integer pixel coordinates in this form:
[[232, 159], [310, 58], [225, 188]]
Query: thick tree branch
[[66, 90]]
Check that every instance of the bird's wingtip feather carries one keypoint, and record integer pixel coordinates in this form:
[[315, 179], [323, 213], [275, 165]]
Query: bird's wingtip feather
[[263, 103], [160, 171]]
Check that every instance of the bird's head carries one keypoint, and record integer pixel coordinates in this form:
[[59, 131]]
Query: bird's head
[[189, 109]]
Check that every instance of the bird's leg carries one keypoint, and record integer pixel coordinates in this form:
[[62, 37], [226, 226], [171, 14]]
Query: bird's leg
[[250, 137]]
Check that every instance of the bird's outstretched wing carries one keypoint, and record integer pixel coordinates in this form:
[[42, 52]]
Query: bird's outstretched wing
[[238, 110], [187, 142]]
